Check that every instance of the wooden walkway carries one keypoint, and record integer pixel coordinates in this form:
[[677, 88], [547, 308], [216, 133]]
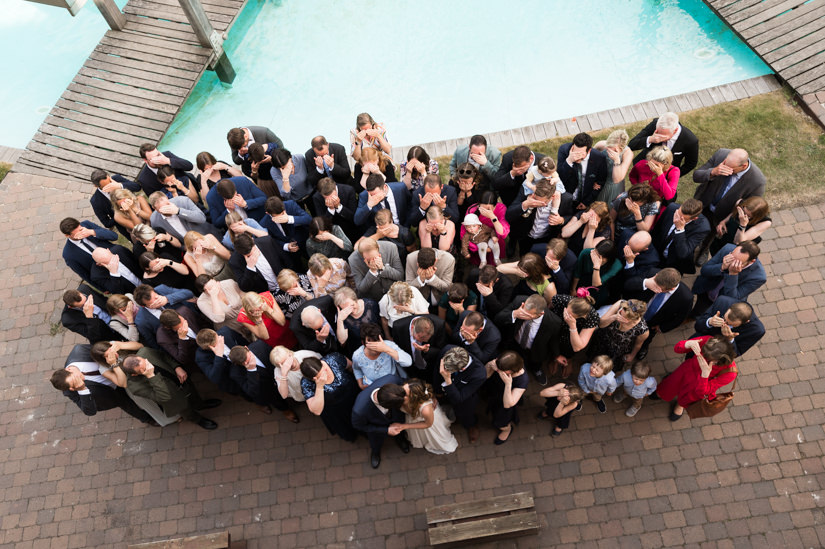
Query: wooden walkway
[[789, 35], [126, 93]]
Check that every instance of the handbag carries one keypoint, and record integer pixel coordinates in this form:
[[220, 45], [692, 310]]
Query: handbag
[[709, 408]]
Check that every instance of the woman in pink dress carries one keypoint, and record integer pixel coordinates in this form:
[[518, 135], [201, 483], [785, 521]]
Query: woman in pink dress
[[491, 213], [658, 171]]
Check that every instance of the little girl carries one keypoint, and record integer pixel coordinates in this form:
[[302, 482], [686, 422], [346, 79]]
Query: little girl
[[544, 169], [562, 401], [482, 236], [597, 379]]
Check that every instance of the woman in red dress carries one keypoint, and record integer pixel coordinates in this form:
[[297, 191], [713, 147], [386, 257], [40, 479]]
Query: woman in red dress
[[266, 320], [711, 368]]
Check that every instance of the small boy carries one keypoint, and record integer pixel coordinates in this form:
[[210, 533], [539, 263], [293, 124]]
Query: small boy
[[597, 379], [636, 382], [482, 236]]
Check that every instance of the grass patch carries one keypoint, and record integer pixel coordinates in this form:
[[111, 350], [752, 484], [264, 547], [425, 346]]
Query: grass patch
[[6, 168], [781, 139]]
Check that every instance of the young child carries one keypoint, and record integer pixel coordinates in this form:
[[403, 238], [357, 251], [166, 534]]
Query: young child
[[544, 169], [597, 379], [482, 236], [636, 382], [562, 401]]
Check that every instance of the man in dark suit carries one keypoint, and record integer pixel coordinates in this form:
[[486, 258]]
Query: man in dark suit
[[532, 218], [583, 170], [177, 335], [477, 334], [83, 316], [326, 159], [422, 337], [735, 271], [531, 328], [666, 131], [494, 291], [337, 201], [313, 324], [101, 202], [460, 375], [169, 386], [212, 356], [240, 139], [433, 193], [735, 320], [377, 413], [82, 238], [511, 173], [81, 382], [253, 372], [562, 264], [288, 225], [640, 258], [153, 301], [235, 193], [669, 301], [379, 195], [115, 272], [256, 263], [677, 234], [154, 159]]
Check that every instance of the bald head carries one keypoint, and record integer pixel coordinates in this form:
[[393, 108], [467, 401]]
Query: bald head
[[312, 318], [737, 158], [101, 256], [640, 241]]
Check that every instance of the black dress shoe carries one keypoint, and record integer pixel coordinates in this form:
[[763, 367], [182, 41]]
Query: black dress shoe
[[654, 396], [375, 460], [403, 443], [641, 354], [210, 403], [207, 424]]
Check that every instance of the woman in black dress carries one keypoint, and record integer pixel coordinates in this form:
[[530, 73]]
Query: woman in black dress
[[158, 271], [352, 314], [507, 380], [330, 391], [622, 331], [581, 321]]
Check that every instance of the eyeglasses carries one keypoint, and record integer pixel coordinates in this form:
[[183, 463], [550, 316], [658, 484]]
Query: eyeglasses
[[628, 306], [466, 172]]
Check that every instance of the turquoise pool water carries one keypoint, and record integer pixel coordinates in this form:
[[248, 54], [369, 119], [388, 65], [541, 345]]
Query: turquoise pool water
[[429, 70]]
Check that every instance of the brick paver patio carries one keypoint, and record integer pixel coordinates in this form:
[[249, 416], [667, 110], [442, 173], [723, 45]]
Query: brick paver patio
[[752, 477]]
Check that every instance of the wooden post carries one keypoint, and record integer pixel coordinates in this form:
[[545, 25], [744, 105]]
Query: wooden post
[[209, 38], [110, 12]]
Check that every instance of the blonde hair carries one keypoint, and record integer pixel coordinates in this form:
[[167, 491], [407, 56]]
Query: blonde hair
[[144, 232], [279, 354], [155, 196], [190, 238], [434, 213], [286, 277], [401, 293], [319, 264], [251, 300], [618, 138], [604, 362], [635, 309], [343, 294], [581, 306], [122, 194], [372, 155], [661, 154]]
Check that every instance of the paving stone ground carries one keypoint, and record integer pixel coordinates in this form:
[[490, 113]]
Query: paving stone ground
[[750, 477]]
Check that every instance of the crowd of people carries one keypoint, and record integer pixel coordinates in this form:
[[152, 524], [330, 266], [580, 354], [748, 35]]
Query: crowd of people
[[394, 302]]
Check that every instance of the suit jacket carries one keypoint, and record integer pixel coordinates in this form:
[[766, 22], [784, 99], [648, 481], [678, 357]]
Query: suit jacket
[[400, 194], [465, 384], [366, 416], [545, 344], [258, 385], [401, 337], [485, 347], [255, 199], [254, 281], [148, 180], [450, 210], [79, 260], [748, 334], [94, 329], [172, 396], [182, 350], [597, 174], [752, 183], [306, 337], [146, 322], [103, 279], [191, 217], [374, 287], [521, 222], [260, 134], [507, 186], [340, 172], [683, 244], [289, 232], [217, 368], [675, 310], [488, 170], [502, 294], [736, 286], [343, 218], [563, 278], [685, 148], [645, 265], [102, 204], [444, 270]]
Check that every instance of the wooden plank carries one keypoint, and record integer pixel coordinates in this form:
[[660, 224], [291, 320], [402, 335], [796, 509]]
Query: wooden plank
[[515, 524], [727, 92], [802, 61], [150, 20], [159, 42], [211, 8], [135, 81], [812, 86], [183, 34], [127, 132], [217, 540], [90, 96], [151, 99], [720, 4], [141, 7], [23, 166], [812, 42], [180, 78], [140, 56], [728, 11], [50, 142], [789, 37], [783, 23], [108, 114], [93, 140], [147, 44], [769, 9], [481, 507], [77, 169], [809, 75], [125, 139]]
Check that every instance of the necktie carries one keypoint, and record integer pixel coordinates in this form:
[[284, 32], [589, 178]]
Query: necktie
[[721, 192], [714, 293], [418, 359], [668, 240], [579, 174], [655, 305], [385, 205], [87, 245], [524, 334]]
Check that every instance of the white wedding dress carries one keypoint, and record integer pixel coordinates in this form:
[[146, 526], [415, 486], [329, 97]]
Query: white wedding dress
[[437, 439]]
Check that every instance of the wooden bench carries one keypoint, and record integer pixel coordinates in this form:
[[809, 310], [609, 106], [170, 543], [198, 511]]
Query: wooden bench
[[219, 540], [482, 520]]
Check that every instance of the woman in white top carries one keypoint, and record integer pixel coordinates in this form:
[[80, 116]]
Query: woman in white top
[[288, 375], [400, 301], [427, 425], [205, 255], [221, 303], [122, 310]]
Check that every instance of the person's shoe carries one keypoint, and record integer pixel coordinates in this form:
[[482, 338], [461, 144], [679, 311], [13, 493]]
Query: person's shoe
[[618, 396], [542, 414], [291, 416], [403, 443], [207, 424], [375, 460], [498, 442], [540, 377], [632, 410], [473, 433], [210, 403], [266, 410], [673, 415], [600, 405], [555, 433], [642, 353], [654, 396], [579, 406]]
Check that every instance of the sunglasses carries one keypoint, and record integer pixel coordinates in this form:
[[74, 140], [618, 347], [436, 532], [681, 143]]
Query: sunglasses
[[466, 172], [631, 306]]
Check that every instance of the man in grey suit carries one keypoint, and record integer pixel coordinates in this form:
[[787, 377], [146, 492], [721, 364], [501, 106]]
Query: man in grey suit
[[179, 215], [431, 271], [240, 139], [481, 155], [375, 266]]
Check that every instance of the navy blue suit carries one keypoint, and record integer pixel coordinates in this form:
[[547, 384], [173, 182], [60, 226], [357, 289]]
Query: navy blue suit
[[597, 174], [344, 218], [254, 281], [102, 205], [259, 385], [507, 186], [400, 194], [450, 210], [255, 200], [749, 333], [485, 347], [103, 280], [217, 368], [291, 232], [367, 418], [146, 322], [736, 286], [462, 393], [681, 245], [148, 179], [79, 260]]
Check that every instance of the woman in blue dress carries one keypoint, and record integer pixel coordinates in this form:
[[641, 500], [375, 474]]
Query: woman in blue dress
[[330, 391]]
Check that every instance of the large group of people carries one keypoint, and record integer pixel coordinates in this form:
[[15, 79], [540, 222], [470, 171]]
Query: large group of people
[[394, 302]]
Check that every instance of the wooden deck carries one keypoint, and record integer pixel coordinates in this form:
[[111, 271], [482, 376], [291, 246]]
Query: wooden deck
[[789, 35], [126, 93]]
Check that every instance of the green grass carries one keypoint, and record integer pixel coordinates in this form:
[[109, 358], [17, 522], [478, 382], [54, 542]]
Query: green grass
[[5, 168], [781, 139]]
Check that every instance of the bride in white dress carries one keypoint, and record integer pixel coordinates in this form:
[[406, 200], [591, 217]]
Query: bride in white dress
[[427, 425]]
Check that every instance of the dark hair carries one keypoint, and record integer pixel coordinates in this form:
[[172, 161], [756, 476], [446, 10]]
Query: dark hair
[[559, 247], [457, 292], [256, 152], [583, 140], [487, 274], [205, 159], [310, 366], [607, 249], [164, 172], [641, 192], [488, 197], [70, 297], [466, 170], [391, 396], [750, 247], [274, 205], [667, 278], [146, 259], [521, 154], [326, 186], [145, 148], [421, 155], [374, 181], [433, 179], [201, 281], [426, 258], [98, 352], [60, 379], [128, 366], [370, 331], [170, 318], [238, 355], [280, 158], [535, 267], [510, 361], [226, 188], [244, 243], [474, 319], [423, 325], [719, 351], [236, 138], [319, 224], [478, 140], [142, 294], [692, 207], [741, 311], [98, 176], [68, 225], [318, 141]]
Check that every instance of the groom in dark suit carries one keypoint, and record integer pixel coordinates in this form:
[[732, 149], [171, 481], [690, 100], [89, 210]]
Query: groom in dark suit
[[583, 170], [377, 413]]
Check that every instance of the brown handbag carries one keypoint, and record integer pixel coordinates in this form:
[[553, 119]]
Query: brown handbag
[[709, 408]]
